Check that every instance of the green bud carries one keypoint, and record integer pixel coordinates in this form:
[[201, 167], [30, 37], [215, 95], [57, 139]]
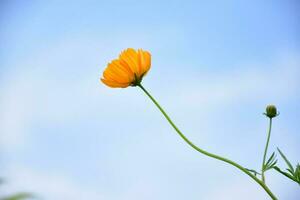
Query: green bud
[[271, 111]]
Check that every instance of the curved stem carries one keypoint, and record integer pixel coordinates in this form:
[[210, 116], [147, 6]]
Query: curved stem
[[265, 152], [205, 152]]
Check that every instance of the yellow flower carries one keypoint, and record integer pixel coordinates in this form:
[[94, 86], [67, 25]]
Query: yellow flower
[[128, 69]]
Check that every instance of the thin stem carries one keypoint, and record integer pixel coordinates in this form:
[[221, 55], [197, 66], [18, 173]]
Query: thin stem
[[205, 152], [265, 152]]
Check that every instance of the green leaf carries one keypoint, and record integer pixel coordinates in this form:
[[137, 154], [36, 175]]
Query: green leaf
[[19, 196], [287, 161], [291, 172], [270, 163], [253, 171], [271, 158], [284, 173], [273, 164], [297, 173]]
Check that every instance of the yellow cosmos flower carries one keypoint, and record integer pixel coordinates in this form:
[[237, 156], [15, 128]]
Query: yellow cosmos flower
[[128, 70]]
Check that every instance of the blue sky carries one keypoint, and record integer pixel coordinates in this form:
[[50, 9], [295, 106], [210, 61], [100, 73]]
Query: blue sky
[[215, 66]]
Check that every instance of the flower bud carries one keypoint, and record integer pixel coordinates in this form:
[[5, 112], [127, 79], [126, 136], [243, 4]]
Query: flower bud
[[271, 111]]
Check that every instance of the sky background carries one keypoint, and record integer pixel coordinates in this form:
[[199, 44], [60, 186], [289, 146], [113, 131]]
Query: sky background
[[215, 67]]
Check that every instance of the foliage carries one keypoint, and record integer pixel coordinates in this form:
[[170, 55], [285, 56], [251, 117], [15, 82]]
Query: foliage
[[291, 173], [18, 196]]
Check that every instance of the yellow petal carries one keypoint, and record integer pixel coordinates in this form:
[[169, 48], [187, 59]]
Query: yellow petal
[[128, 69], [117, 73], [144, 60], [129, 56], [147, 57], [108, 75], [141, 60], [120, 71], [113, 84]]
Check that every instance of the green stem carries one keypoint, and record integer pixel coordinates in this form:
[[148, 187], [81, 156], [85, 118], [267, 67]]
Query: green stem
[[205, 152], [265, 152]]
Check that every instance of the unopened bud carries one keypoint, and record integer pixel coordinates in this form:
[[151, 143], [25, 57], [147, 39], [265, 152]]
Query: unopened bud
[[271, 111]]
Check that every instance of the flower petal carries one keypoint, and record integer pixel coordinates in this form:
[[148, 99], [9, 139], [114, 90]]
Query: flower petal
[[116, 72], [113, 84], [144, 61], [128, 69], [130, 57]]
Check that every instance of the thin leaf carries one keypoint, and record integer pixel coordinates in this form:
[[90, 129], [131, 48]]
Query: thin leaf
[[270, 163], [271, 158], [286, 160], [291, 172], [273, 164], [297, 173], [253, 171], [284, 173], [270, 166]]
